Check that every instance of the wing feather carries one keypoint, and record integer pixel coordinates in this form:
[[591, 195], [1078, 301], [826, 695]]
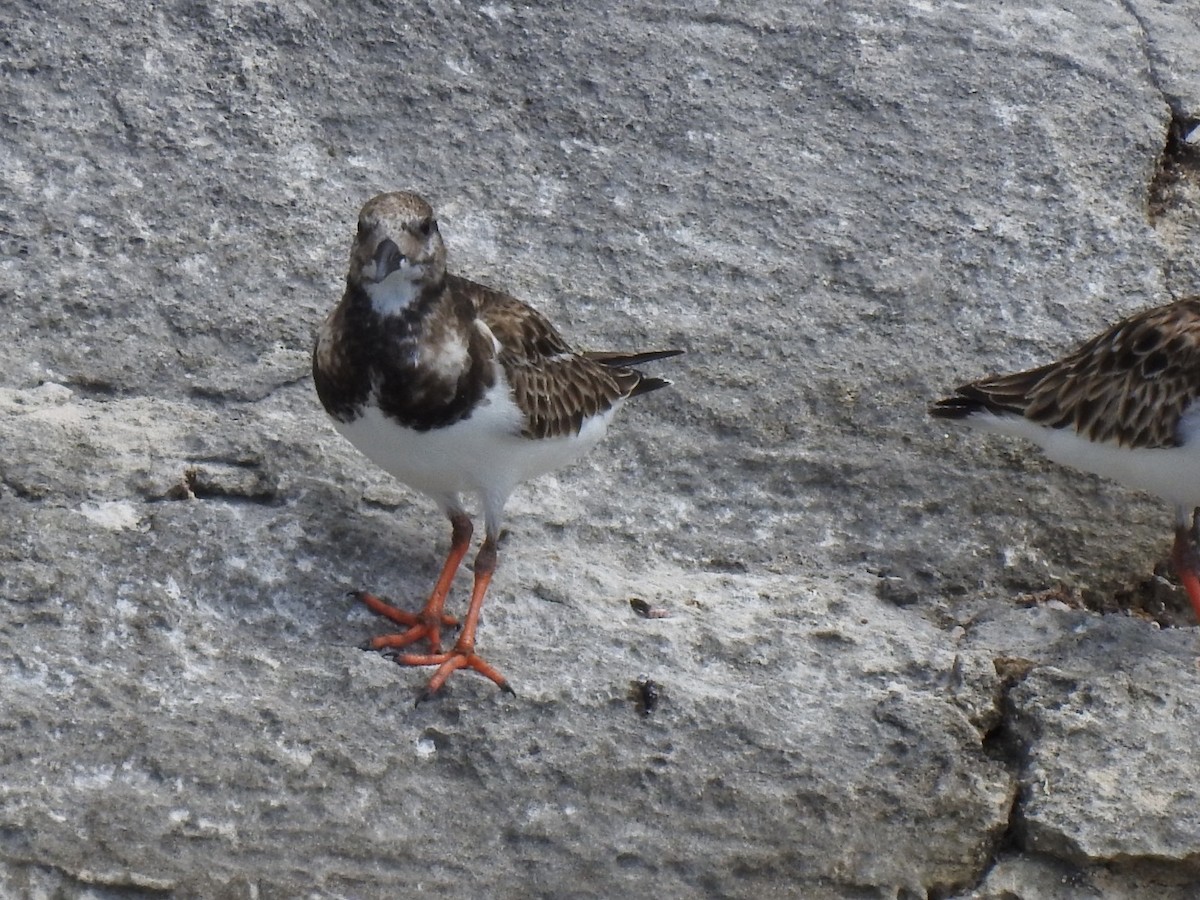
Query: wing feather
[[1129, 385], [556, 388]]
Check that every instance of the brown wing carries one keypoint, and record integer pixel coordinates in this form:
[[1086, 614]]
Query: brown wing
[[1129, 385], [556, 388]]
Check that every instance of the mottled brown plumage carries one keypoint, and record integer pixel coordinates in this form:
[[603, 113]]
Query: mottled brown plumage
[[1129, 385], [1122, 405], [453, 388], [556, 388], [363, 357]]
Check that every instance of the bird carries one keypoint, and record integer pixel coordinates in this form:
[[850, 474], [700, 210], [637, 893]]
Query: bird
[[455, 389], [1121, 405]]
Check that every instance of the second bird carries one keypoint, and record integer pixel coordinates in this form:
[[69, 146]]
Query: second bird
[[1122, 405]]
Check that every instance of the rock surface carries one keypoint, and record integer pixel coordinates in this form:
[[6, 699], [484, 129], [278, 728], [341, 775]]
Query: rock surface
[[900, 663]]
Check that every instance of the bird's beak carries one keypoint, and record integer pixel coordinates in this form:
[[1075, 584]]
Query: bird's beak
[[387, 259]]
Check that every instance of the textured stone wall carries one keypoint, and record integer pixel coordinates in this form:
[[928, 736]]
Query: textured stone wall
[[900, 663]]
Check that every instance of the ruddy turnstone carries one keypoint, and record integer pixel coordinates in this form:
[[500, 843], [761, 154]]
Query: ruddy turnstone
[[455, 388], [1122, 405]]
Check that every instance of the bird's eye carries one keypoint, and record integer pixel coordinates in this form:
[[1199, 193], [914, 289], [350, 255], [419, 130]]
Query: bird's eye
[[426, 226], [362, 229]]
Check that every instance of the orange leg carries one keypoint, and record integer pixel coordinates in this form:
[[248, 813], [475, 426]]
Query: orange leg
[[462, 655], [429, 621], [1186, 561]]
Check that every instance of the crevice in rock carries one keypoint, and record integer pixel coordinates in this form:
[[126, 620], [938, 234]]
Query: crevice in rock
[[255, 392], [95, 388], [227, 480], [1002, 743], [1180, 158], [27, 491], [1179, 163], [105, 886]]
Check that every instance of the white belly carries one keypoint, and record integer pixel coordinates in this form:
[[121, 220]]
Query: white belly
[[484, 454], [1172, 473]]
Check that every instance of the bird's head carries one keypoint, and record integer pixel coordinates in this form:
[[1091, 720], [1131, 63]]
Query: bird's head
[[398, 252]]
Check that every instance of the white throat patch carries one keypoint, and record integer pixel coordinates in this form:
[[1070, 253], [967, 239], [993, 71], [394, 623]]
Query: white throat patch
[[396, 292]]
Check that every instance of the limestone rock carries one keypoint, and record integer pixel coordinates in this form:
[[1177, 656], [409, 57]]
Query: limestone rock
[[885, 672]]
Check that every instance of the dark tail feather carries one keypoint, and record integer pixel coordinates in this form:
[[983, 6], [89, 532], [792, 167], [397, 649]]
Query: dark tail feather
[[1007, 395], [1001, 395], [958, 407], [625, 361], [649, 383], [618, 360]]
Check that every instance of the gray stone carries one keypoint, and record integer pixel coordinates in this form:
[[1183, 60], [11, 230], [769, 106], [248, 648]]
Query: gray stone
[[884, 673], [1135, 796], [1034, 877]]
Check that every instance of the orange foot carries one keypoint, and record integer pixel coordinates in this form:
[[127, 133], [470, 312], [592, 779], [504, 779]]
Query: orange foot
[[422, 625], [450, 662], [428, 623], [1185, 556], [462, 655]]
